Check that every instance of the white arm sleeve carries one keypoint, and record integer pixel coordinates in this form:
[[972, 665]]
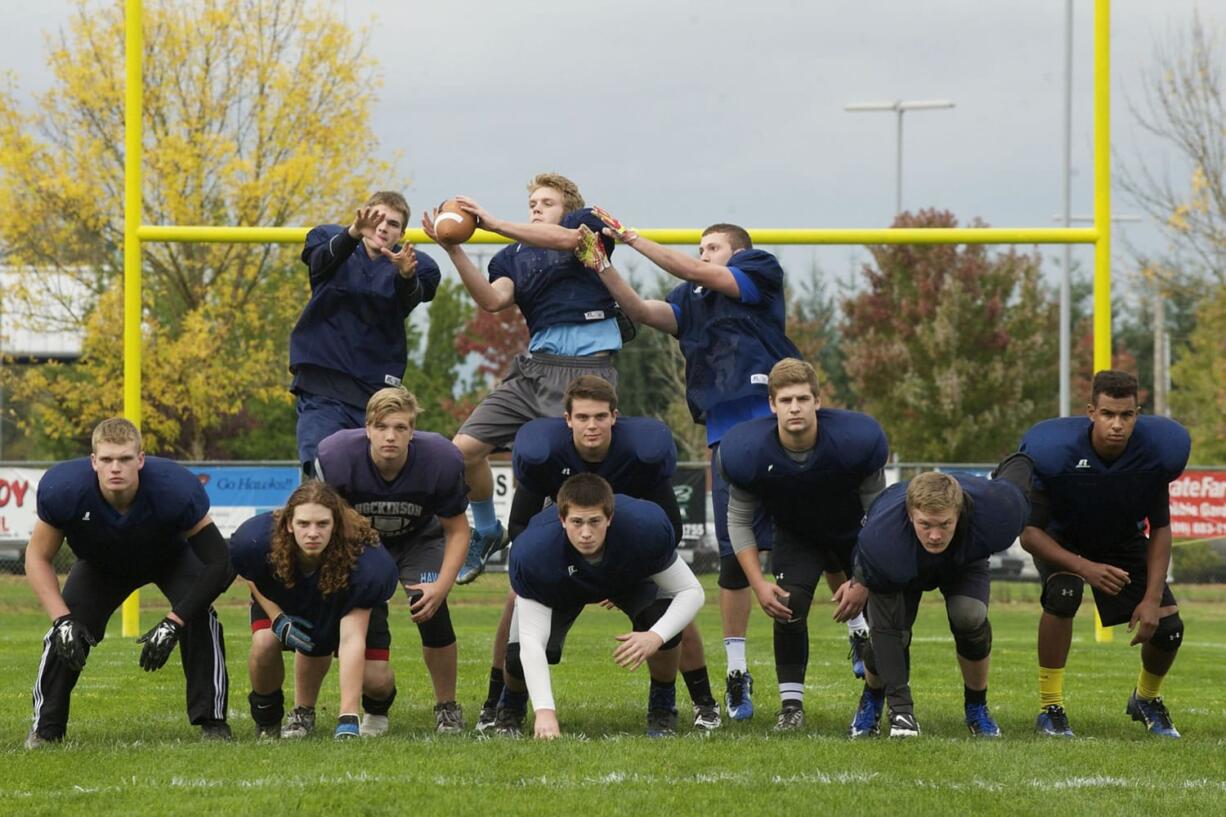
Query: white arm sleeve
[[742, 507], [534, 621], [678, 583]]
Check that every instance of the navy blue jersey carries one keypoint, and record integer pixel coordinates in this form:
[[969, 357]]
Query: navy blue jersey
[[819, 497], [641, 455], [169, 502], [430, 484], [552, 287], [353, 323], [1093, 504], [372, 582], [545, 567], [729, 345], [889, 557]]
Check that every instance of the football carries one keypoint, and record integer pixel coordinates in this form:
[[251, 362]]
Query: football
[[452, 225]]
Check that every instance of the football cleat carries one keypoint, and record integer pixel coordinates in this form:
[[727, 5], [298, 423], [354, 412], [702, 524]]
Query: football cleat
[[791, 717], [215, 730], [1053, 722], [509, 722], [448, 718], [979, 720], [858, 641], [1153, 714], [867, 721], [36, 741], [480, 548], [486, 719], [301, 723], [270, 732], [738, 697], [903, 725], [661, 723], [706, 718], [373, 726], [347, 728]]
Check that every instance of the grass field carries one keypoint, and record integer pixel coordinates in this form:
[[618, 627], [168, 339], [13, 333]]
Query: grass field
[[132, 752]]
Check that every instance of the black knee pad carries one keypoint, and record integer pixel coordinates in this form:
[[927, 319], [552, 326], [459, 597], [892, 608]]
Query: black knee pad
[[1169, 634], [378, 706], [437, 632], [731, 575], [267, 710], [1062, 595], [799, 601], [974, 644], [647, 618]]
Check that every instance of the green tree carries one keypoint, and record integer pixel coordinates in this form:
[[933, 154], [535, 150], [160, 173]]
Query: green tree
[[952, 348], [1198, 398], [813, 325], [433, 373], [256, 112]]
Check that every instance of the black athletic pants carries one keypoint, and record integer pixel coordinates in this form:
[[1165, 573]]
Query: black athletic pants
[[92, 596]]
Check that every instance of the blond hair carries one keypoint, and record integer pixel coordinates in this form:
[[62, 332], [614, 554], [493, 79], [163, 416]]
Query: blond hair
[[934, 493], [392, 400], [572, 199], [791, 372], [115, 430]]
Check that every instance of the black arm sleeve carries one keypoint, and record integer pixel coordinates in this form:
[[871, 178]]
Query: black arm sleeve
[[210, 548], [524, 505], [664, 496]]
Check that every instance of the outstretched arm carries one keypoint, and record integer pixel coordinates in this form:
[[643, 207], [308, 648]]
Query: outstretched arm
[[653, 313], [493, 297], [548, 236]]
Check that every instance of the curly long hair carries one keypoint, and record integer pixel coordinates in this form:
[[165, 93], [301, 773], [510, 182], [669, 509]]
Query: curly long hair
[[351, 534]]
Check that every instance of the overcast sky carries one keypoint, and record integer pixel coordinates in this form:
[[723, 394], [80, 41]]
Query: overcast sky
[[680, 114]]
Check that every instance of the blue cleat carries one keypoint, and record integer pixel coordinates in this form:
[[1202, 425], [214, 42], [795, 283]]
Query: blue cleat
[[979, 720], [1053, 722], [480, 548], [867, 722], [1153, 714], [738, 697], [858, 641]]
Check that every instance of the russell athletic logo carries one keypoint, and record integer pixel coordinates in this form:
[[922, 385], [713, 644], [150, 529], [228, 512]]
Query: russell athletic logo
[[1083, 464]]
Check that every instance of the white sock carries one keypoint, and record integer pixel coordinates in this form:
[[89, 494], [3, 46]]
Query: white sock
[[857, 625], [735, 650], [792, 692]]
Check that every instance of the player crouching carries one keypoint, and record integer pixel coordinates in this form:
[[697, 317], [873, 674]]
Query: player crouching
[[595, 547], [320, 583]]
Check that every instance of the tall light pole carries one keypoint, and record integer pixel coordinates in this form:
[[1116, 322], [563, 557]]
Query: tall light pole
[[899, 107]]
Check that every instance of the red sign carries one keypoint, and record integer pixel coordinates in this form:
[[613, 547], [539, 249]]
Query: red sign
[[1198, 505]]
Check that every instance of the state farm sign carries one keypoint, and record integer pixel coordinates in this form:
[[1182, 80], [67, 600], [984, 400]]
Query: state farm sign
[[1198, 505]]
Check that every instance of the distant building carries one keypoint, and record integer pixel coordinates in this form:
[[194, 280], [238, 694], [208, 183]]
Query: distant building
[[48, 331]]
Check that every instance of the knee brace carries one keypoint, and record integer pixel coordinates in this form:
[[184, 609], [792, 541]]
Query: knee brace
[[437, 632], [1169, 634], [799, 601], [974, 644], [267, 710], [1062, 595], [731, 575], [648, 617]]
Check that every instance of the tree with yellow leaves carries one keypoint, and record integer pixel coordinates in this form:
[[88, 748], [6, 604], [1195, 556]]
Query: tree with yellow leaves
[[256, 113]]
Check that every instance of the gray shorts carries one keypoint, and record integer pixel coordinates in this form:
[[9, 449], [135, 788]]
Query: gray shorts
[[421, 558], [535, 387]]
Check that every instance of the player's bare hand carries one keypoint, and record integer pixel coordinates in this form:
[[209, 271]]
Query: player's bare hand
[[426, 605], [405, 261], [850, 598], [470, 206], [545, 725], [772, 598], [1144, 622], [607, 604], [1107, 578], [635, 648], [365, 222]]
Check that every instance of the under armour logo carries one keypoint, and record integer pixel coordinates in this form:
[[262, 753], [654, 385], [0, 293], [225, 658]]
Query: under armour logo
[[1066, 592], [778, 577], [86, 517], [1083, 464]]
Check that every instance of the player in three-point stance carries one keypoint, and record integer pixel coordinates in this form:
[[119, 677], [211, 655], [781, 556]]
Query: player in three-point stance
[[572, 327], [638, 457], [410, 485], [935, 531], [131, 520], [320, 584], [815, 471], [592, 547], [350, 341], [1097, 482]]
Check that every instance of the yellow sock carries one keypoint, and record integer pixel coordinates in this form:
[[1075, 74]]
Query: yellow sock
[[1148, 685], [1051, 687]]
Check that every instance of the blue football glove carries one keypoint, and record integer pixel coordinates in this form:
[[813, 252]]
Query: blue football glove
[[71, 642], [293, 632], [346, 727], [159, 644]]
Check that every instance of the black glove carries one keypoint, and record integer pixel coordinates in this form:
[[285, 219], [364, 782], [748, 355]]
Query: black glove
[[71, 642], [292, 632], [159, 644]]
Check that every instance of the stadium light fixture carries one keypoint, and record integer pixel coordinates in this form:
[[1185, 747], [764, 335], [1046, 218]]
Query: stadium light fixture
[[898, 107]]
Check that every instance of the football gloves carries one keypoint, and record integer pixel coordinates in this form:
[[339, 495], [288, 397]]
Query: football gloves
[[293, 632], [71, 642], [159, 644], [590, 251]]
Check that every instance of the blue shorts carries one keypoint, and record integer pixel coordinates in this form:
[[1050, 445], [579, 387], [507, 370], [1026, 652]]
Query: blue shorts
[[762, 528], [319, 417]]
